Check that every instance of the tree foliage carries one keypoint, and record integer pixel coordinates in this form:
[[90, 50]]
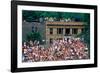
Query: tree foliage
[[34, 36], [86, 32], [35, 15]]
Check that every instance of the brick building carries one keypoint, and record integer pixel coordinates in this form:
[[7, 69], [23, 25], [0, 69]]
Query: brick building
[[59, 30]]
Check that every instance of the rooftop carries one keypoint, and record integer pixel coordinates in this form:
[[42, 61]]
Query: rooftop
[[64, 23]]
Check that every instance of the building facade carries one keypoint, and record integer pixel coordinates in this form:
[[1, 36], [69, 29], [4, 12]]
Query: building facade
[[28, 27], [60, 30]]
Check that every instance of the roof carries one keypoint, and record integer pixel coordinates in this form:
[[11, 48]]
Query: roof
[[64, 23]]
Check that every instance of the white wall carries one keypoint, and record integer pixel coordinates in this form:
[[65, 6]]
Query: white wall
[[5, 36]]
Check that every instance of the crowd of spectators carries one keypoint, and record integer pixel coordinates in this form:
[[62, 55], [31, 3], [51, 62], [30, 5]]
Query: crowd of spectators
[[65, 49]]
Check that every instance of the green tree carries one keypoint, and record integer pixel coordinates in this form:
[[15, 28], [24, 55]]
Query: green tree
[[34, 36], [86, 32]]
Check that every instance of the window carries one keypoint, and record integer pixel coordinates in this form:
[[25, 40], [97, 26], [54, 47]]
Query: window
[[74, 31], [59, 30], [51, 40], [36, 29], [51, 30], [60, 38], [82, 30], [67, 31], [32, 28]]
